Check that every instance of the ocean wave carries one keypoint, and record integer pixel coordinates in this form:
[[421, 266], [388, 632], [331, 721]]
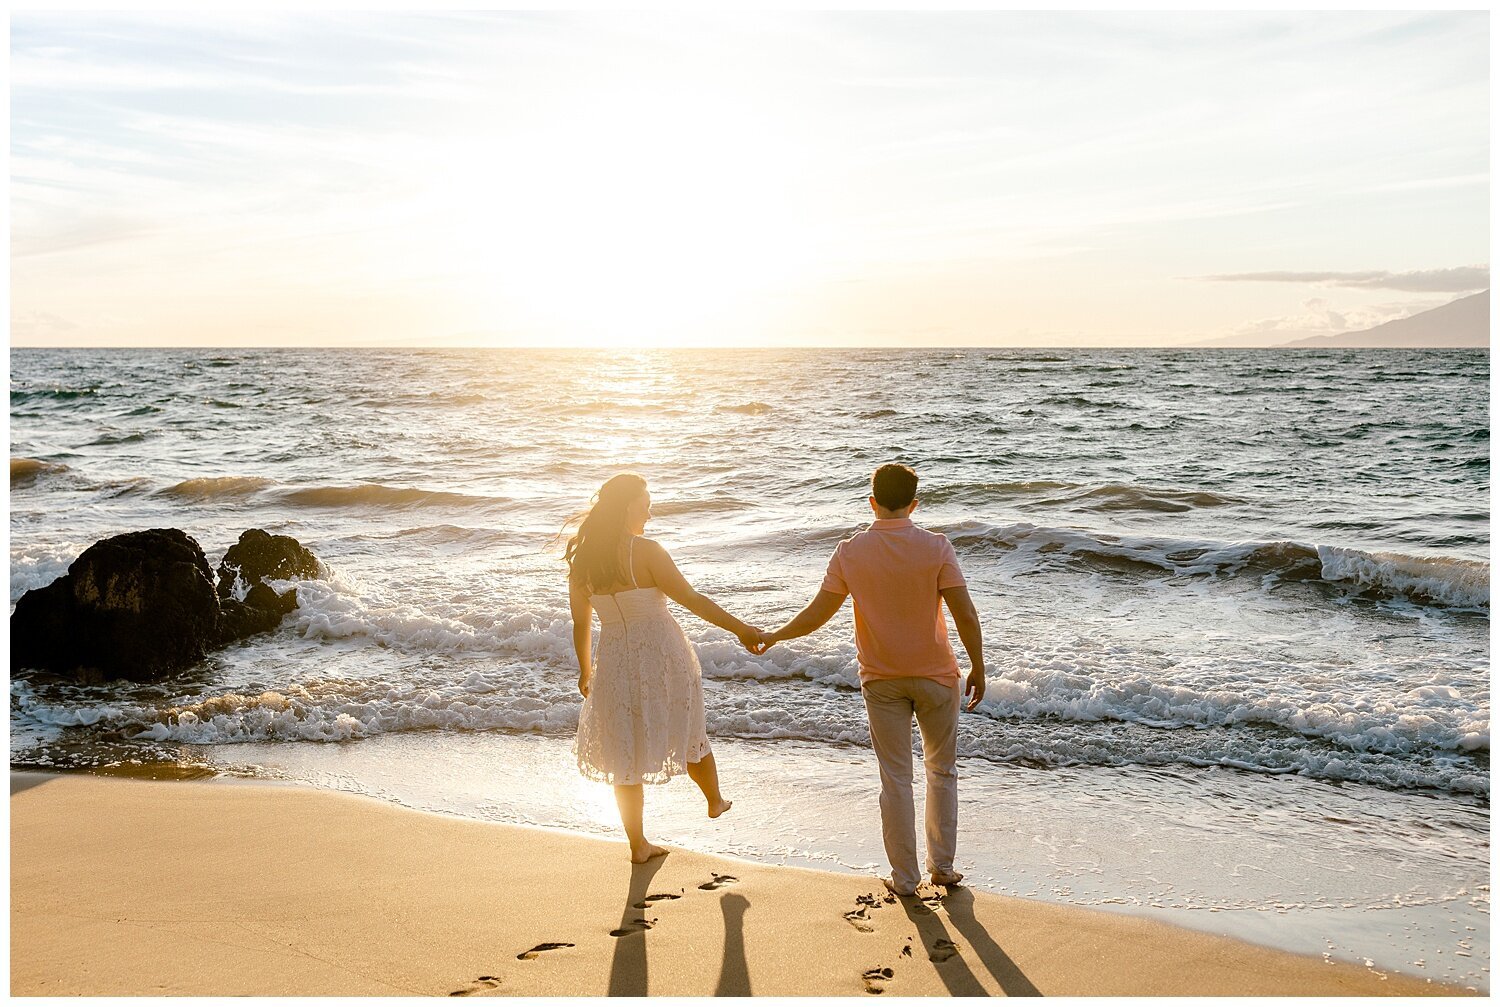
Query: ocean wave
[[1044, 719], [26, 471], [134, 437], [1081, 402], [1460, 583], [216, 488], [338, 711], [338, 608], [1400, 725], [1437, 581], [435, 398], [745, 408], [1053, 704], [35, 566], [685, 505], [980, 491], [1113, 497], [377, 495], [52, 394]]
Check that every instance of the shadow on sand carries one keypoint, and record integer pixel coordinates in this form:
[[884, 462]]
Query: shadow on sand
[[628, 971], [951, 966], [734, 976]]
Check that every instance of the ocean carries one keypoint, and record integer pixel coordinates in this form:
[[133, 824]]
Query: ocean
[[1235, 603]]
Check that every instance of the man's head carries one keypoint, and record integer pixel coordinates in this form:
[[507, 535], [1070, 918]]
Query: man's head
[[893, 491]]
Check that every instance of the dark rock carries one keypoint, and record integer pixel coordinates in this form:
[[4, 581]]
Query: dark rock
[[260, 612], [144, 604], [259, 556], [262, 596], [138, 606], [39, 626], [238, 620]]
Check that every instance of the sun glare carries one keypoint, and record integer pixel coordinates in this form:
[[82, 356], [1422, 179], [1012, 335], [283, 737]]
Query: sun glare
[[628, 217]]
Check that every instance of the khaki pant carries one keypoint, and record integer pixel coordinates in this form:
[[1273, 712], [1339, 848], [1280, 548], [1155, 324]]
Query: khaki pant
[[890, 704]]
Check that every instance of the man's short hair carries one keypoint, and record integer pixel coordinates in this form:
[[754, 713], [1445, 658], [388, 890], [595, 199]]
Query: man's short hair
[[893, 486]]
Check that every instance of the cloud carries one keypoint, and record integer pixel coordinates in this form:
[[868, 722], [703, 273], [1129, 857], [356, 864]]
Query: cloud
[[1458, 280]]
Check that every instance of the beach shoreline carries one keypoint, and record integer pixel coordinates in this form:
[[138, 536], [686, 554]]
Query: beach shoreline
[[211, 887]]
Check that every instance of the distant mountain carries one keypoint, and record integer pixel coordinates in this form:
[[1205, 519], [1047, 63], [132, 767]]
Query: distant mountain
[[1249, 340], [1464, 323]]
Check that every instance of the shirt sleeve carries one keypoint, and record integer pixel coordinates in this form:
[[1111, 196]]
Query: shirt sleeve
[[949, 575], [833, 580]]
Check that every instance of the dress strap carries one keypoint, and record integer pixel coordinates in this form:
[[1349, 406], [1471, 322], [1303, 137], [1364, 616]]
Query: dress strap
[[630, 562]]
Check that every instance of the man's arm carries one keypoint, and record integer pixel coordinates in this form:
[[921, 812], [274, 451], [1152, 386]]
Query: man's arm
[[966, 621], [818, 611], [675, 586]]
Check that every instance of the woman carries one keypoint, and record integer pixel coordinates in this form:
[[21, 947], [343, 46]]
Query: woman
[[642, 718]]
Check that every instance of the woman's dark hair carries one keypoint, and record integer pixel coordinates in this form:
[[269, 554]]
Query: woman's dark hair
[[596, 552], [893, 486]]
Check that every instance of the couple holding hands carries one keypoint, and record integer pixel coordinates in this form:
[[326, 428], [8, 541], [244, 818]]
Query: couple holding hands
[[642, 719]]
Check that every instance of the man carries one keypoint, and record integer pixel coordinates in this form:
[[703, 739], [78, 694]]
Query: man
[[897, 573]]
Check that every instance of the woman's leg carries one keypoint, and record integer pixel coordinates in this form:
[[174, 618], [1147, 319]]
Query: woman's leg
[[705, 773], [632, 803]]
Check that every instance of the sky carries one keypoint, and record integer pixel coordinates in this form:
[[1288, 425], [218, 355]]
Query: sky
[[793, 178]]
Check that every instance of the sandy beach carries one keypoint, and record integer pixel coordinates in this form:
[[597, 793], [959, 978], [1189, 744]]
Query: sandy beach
[[127, 887]]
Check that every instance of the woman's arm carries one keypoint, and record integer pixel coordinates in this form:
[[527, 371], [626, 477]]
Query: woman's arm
[[583, 632], [675, 586]]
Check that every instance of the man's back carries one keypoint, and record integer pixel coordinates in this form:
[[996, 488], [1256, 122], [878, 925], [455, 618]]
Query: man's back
[[896, 571]]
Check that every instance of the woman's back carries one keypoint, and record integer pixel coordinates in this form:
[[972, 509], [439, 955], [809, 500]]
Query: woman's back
[[637, 568], [643, 719]]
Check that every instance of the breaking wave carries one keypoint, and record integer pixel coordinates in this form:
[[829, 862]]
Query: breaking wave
[[1428, 580], [216, 488], [26, 471], [377, 495]]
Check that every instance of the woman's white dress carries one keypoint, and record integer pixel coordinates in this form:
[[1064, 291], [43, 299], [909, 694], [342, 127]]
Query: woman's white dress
[[642, 721]]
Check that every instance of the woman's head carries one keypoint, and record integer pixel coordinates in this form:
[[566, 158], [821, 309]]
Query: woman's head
[[596, 552]]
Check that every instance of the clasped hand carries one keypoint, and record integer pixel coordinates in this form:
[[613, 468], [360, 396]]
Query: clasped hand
[[754, 640]]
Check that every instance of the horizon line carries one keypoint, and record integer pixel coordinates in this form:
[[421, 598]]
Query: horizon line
[[554, 348]]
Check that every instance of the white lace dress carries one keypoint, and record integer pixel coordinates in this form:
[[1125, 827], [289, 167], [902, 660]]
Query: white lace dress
[[642, 721]]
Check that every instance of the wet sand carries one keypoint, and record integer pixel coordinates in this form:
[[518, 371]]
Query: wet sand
[[136, 887]]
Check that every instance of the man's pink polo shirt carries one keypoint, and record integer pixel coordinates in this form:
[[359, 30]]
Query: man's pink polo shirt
[[895, 570]]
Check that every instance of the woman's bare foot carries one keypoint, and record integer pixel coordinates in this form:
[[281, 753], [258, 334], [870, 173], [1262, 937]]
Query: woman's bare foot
[[715, 810], [645, 853]]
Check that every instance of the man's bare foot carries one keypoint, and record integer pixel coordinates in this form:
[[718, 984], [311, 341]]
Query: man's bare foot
[[715, 810], [890, 886], [646, 853], [946, 880]]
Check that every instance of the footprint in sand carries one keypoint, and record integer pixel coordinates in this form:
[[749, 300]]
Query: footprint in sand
[[478, 986], [633, 927], [646, 902], [859, 916], [719, 881], [875, 979], [859, 920], [527, 956], [942, 950]]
